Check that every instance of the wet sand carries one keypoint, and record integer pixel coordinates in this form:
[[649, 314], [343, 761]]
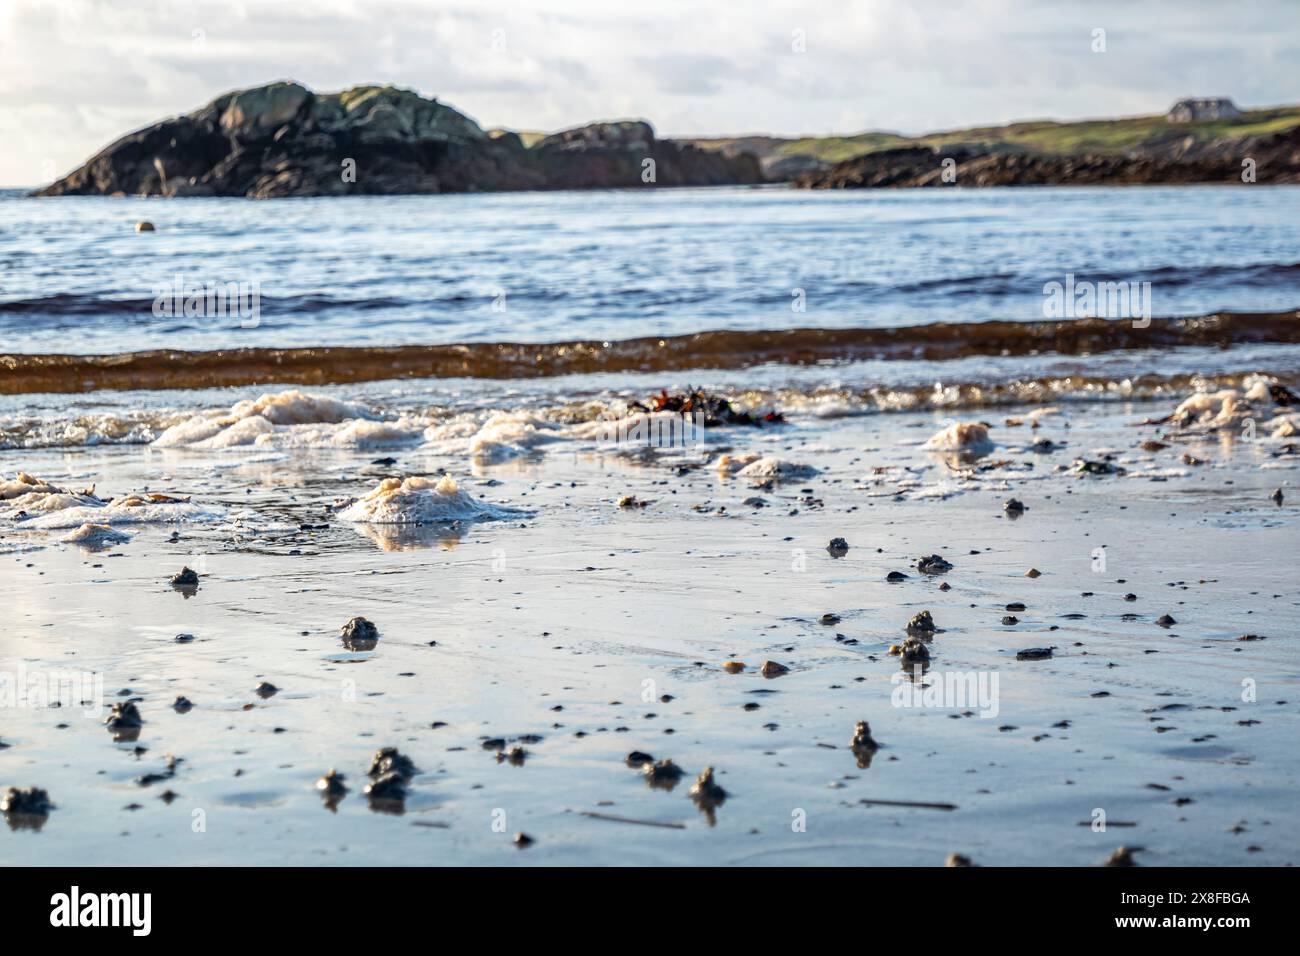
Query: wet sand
[[564, 632]]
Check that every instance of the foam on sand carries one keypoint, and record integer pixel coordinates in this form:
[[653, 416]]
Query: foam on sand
[[648, 429], [1226, 408], [1283, 426], [419, 500], [26, 494], [1210, 409], [503, 435], [969, 437], [40, 505], [25, 484], [128, 509], [291, 418], [96, 536], [359, 433], [759, 467]]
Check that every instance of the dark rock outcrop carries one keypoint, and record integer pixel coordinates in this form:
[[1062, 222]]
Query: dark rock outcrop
[[284, 140], [1275, 159]]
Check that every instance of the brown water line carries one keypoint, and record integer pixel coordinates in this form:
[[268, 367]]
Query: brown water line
[[722, 349]]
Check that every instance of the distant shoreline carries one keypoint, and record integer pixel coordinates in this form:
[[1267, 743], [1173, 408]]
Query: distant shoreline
[[284, 140]]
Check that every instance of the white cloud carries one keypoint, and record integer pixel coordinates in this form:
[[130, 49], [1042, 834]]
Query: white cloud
[[75, 74]]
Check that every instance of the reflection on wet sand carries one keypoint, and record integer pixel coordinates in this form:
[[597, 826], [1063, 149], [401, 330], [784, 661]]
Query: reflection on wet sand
[[415, 537]]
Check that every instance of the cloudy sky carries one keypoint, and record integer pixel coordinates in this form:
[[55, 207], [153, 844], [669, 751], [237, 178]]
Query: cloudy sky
[[75, 74]]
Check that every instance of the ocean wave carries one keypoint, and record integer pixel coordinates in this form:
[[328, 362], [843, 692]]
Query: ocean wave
[[1169, 277], [1267, 274], [721, 349], [81, 305], [490, 426]]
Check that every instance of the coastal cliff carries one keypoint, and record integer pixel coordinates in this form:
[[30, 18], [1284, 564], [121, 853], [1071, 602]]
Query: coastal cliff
[[284, 140]]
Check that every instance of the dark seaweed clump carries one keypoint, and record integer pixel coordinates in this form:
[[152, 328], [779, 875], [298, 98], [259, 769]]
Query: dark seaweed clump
[[715, 409]]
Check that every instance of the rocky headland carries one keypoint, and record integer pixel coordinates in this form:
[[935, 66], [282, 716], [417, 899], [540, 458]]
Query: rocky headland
[[285, 140]]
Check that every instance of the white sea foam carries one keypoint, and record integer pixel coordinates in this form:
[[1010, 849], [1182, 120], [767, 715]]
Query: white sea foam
[[26, 494], [1157, 473], [939, 492], [96, 536], [133, 509], [420, 500], [501, 436], [1210, 409], [39, 505], [359, 433], [24, 484], [291, 419], [1284, 426], [970, 437], [1231, 408], [759, 467]]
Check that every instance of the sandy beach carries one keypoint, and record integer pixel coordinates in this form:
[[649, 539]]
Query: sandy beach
[[487, 465], [520, 661]]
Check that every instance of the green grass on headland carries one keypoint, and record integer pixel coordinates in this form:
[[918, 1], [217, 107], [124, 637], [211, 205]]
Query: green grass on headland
[[1115, 136]]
